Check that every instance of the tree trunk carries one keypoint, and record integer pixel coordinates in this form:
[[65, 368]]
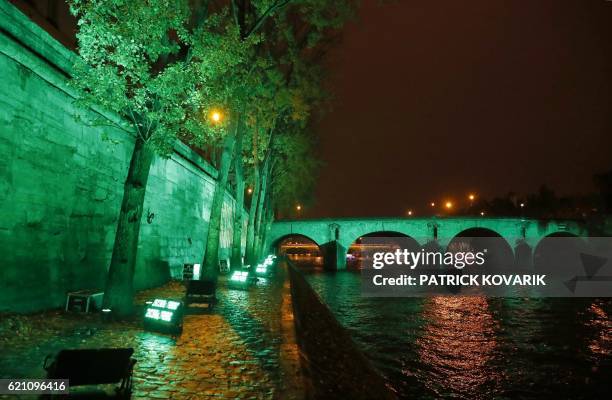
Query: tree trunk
[[267, 224], [119, 292], [252, 210], [210, 264], [259, 238], [236, 259], [260, 208]]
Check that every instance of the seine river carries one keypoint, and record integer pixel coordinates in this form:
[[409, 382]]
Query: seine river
[[476, 347]]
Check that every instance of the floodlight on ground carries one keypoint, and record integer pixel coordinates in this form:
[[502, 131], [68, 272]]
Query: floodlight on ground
[[164, 315], [240, 279], [261, 269], [240, 276]]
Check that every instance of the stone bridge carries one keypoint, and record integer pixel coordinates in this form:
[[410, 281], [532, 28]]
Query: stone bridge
[[335, 236]]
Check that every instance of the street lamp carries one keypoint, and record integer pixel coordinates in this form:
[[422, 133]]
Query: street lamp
[[432, 204], [448, 205], [409, 213], [215, 116], [471, 197], [250, 190], [298, 207]]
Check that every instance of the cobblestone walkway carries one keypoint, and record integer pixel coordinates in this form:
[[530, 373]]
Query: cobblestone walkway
[[244, 349]]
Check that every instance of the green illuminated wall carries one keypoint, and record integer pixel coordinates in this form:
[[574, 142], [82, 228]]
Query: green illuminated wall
[[61, 184]]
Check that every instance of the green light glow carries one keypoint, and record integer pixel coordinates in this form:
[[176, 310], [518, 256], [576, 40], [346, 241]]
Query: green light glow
[[166, 315], [152, 313], [159, 303], [172, 305], [240, 276]]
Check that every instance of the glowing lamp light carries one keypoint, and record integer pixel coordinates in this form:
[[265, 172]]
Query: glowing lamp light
[[196, 271], [448, 205], [106, 314], [471, 197], [298, 207], [164, 315], [239, 279], [216, 116], [432, 204], [240, 276]]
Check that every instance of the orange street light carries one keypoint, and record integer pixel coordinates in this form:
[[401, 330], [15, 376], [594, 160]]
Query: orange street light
[[471, 197], [432, 204], [298, 207], [409, 213], [215, 116], [250, 190], [448, 205]]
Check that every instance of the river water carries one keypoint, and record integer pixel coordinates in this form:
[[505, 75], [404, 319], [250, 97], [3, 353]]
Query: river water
[[476, 347]]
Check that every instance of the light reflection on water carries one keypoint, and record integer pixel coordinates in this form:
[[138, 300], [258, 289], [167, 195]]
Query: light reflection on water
[[458, 343], [476, 347]]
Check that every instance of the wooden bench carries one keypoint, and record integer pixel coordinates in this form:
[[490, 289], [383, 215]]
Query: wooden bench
[[201, 292], [94, 367]]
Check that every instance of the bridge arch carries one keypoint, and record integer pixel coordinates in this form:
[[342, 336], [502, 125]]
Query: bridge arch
[[549, 252], [297, 240], [499, 253], [354, 251]]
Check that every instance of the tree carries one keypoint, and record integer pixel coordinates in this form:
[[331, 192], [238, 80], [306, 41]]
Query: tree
[[149, 62], [247, 19], [281, 29]]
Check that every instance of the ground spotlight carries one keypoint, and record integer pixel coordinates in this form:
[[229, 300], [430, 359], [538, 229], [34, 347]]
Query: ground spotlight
[[164, 315], [240, 279]]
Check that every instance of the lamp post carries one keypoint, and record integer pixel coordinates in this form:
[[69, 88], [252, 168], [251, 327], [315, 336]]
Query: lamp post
[[298, 208]]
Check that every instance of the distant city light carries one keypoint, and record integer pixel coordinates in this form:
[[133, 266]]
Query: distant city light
[[448, 205], [471, 197], [409, 212], [250, 190], [522, 205], [298, 207], [482, 213], [432, 204]]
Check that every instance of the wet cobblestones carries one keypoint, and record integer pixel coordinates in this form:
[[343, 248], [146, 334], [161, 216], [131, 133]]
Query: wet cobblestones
[[243, 349]]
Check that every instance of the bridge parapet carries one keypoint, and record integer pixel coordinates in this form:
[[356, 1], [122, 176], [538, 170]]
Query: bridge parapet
[[342, 233]]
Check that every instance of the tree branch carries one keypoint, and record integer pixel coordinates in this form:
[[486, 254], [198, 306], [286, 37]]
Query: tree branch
[[277, 5]]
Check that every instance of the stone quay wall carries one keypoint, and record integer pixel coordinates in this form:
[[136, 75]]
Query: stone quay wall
[[61, 183]]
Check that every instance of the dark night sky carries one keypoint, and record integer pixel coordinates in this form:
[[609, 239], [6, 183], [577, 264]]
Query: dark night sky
[[434, 99]]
